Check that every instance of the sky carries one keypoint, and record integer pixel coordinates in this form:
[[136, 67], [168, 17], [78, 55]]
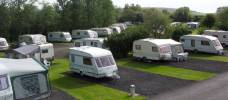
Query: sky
[[204, 6]]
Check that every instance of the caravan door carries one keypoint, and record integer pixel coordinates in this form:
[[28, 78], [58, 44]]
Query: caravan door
[[89, 67], [30, 86]]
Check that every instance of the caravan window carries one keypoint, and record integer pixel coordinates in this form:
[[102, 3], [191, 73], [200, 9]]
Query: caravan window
[[178, 49], [77, 44], [3, 82], [84, 43], [72, 58], [61, 35], [87, 61], [45, 51], [91, 43], [95, 44], [215, 36], [165, 49], [2, 43], [224, 36], [138, 47], [182, 40], [105, 61], [205, 43], [50, 35], [78, 33], [216, 43], [154, 49]]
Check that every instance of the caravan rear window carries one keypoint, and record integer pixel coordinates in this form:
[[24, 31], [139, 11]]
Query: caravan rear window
[[105, 61], [3, 82]]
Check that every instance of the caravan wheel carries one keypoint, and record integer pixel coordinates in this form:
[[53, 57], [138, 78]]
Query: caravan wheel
[[195, 51], [81, 73]]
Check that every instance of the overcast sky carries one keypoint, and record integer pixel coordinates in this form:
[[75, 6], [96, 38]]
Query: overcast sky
[[205, 6]]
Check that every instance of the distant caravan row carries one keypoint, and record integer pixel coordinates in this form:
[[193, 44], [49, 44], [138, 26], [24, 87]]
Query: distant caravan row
[[88, 33]]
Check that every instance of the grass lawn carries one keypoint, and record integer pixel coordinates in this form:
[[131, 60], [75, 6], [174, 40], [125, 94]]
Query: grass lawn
[[169, 71], [2, 54], [208, 57], [83, 90]]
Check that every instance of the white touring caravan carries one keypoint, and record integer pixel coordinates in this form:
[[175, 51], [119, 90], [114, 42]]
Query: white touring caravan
[[221, 35], [103, 32], [115, 29], [121, 25], [24, 79], [3, 44], [193, 25], [78, 34], [94, 42], [151, 49], [43, 53], [202, 43], [92, 61], [32, 39], [59, 37]]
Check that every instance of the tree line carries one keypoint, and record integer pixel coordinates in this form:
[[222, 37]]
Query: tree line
[[24, 17]]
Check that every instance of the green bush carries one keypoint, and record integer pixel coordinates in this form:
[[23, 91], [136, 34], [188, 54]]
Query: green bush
[[121, 44], [179, 31]]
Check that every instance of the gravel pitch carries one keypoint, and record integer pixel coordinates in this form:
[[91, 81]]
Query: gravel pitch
[[61, 49], [147, 84], [59, 95], [195, 64]]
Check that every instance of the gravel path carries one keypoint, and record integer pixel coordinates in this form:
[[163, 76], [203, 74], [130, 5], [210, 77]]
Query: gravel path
[[147, 84], [195, 64], [59, 95], [61, 49], [213, 89]]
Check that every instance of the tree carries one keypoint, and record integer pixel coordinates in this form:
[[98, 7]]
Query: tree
[[121, 44], [133, 13], [182, 14], [155, 22], [179, 31], [47, 20], [222, 15], [209, 21]]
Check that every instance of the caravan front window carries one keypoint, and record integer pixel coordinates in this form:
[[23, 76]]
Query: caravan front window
[[178, 49], [216, 43], [105, 61], [3, 82]]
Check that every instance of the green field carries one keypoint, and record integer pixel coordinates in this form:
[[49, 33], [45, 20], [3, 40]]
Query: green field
[[169, 71], [212, 57], [83, 90]]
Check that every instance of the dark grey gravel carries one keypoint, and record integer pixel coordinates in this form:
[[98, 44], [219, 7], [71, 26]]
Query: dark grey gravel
[[59, 95], [147, 84]]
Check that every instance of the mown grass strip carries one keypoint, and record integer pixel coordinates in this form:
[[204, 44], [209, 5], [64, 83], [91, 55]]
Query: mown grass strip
[[169, 71], [211, 57], [83, 90]]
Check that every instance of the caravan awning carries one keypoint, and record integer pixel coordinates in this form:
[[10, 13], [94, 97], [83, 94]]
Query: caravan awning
[[17, 67], [27, 49]]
